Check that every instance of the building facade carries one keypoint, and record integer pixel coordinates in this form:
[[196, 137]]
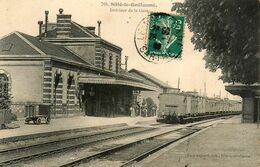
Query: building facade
[[67, 70]]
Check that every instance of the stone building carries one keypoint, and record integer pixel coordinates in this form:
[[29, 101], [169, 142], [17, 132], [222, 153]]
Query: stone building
[[67, 70], [160, 86]]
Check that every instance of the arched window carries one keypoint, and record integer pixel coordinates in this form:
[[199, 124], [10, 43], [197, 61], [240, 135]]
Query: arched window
[[3, 84]]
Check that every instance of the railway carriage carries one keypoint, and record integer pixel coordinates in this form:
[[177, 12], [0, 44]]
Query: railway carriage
[[188, 107]]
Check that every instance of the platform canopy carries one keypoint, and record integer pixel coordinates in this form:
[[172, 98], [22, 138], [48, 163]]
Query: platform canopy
[[108, 80], [244, 90]]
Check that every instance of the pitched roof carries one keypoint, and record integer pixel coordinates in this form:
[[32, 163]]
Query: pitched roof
[[150, 78], [83, 29], [77, 31], [145, 80], [12, 44], [128, 75], [29, 45]]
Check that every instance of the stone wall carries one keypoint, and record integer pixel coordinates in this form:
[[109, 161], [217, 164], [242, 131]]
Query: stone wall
[[26, 80], [248, 110], [63, 101], [85, 50]]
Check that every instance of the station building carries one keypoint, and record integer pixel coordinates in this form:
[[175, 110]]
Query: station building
[[68, 70], [161, 87]]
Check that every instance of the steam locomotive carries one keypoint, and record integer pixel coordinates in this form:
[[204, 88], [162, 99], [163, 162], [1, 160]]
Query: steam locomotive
[[187, 107]]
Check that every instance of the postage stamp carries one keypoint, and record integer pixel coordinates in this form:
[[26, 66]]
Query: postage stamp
[[165, 35], [158, 37]]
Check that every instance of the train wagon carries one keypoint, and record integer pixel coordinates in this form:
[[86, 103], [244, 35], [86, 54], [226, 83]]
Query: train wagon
[[186, 107]]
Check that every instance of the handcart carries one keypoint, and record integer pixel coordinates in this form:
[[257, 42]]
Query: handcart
[[37, 115]]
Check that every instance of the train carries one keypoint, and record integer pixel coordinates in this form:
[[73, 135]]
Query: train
[[187, 107]]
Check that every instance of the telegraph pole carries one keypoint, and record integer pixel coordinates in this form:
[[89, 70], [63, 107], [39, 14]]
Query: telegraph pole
[[179, 83], [205, 91]]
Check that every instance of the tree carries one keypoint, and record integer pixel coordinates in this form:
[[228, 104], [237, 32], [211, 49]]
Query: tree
[[228, 31], [5, 101], [151, 106], [5, 107]]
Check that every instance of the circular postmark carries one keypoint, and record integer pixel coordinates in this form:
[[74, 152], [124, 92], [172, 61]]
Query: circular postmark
[[158, 37]]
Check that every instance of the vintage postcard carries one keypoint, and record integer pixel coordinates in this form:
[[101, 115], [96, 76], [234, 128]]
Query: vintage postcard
[[159, 83]]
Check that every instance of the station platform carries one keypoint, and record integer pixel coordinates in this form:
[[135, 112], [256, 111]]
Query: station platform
[[61, 124], [228, 144]]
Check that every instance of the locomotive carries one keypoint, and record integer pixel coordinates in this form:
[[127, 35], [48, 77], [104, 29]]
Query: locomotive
[[187, 107]]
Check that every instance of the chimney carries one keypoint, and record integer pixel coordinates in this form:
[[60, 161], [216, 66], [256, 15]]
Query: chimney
[[91, 29], [63, 29], [178, 83], [99, 28], [40, 29], [46, 22]]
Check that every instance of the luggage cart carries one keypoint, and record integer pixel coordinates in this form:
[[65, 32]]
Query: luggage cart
[[37, 115]]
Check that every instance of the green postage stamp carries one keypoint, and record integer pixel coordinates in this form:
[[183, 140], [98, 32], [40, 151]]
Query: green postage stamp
[[158, 37], [165, 34]]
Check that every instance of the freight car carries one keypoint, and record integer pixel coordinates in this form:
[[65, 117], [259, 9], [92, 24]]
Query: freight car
[[186, 107]]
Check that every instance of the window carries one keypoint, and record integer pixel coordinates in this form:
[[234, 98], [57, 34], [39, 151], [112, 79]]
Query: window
[[3, 84], [103, 61], [117, 64], [110, 61]]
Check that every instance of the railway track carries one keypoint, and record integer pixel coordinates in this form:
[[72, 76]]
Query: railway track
[[159, 144], [61, 133], [39, 152], [145, 147], [58, 140], [23, 153]]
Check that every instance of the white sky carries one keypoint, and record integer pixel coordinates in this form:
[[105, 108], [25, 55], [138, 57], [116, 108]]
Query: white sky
[[118, 28]]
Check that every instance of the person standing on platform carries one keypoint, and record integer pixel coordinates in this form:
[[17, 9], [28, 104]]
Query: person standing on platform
[[132, 111]]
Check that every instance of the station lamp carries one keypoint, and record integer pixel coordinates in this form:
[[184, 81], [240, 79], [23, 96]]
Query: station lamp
[[57, 77], [70, 80]]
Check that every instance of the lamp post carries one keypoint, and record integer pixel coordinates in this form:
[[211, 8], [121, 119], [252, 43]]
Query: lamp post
[[69, 83], [80, 92], [57, 78], [92, 94], [78, 89]]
